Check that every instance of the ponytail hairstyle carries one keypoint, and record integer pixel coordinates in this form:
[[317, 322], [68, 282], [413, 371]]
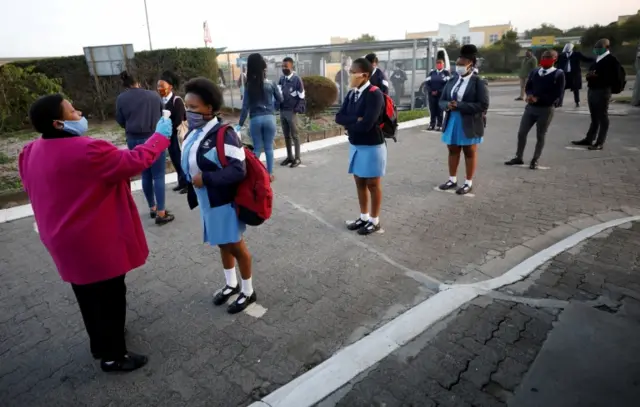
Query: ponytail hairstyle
[[256, 70], [128, 80], [470, 52]]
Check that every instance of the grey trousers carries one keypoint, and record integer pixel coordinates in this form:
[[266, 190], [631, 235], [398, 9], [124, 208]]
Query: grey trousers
[[599, 109], [541, 117], [289, 121]]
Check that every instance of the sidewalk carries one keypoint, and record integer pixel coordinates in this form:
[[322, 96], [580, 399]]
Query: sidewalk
[[565, 337]]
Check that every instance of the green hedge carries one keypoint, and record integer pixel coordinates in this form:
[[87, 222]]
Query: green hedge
[[97, 99]]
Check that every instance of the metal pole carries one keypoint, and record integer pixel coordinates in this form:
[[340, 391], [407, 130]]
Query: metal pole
[[413, 76], [146, 13], [231, 79], [342, 78]]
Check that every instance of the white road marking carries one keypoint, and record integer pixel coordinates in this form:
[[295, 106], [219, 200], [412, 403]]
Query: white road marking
[[324, 379], [24, 211], [35, 227], [527, 166], [452, 191], [576, 148]]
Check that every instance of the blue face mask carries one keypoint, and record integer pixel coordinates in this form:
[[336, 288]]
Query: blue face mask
[[77, 127], [196, 120]]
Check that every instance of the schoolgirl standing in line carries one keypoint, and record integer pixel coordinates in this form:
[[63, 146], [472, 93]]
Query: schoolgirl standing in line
[[361, 114]]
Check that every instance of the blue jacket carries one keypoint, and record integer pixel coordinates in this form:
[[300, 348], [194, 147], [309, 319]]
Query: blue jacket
[[221, 183], [436, 80], [270, 100], [292, 93], [138, 111], [379, 79], [368, 107]]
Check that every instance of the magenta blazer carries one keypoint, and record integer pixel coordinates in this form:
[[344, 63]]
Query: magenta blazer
[[81, 197]]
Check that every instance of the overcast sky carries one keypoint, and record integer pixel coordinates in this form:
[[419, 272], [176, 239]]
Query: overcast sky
[[32, 28]]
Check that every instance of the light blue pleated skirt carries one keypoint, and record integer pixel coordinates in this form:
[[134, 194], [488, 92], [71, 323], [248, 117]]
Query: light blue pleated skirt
[[220, 225], [368, 161], [453, 135]]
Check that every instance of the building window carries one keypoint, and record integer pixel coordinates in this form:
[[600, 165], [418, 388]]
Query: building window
[[493, 38], [466, 40]]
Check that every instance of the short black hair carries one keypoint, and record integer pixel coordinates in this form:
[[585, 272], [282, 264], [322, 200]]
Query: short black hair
[[128, 79], [44, 111], [372, 58], [288, 59], [208, 91], [170, 78], [364, 64]]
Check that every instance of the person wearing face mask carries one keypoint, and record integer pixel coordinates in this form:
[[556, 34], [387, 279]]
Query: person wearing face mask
[[465, 98], [529, 63], [378, 78], [175, 105], [398, 79], [435, 82], [213, 188], [137, 111], [361, 115], [569, 62], [260, 101], [544, 90], [605, 74], [87, 219], [292, 88]]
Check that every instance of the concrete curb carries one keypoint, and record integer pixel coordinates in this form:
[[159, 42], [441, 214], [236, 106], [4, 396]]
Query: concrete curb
[[326, 378], [25, 211]]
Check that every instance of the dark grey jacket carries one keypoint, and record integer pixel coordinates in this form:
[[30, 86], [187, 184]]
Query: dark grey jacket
[[474, 103]]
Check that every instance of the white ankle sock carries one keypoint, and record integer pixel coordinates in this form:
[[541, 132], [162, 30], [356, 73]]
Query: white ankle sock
[[468, 182], [231, 277], [453, 179], [375, 221], [247, 286], [364, 216]]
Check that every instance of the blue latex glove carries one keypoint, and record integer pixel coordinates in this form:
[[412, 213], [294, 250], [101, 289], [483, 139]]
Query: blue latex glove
[[237, 128], [164, 127]]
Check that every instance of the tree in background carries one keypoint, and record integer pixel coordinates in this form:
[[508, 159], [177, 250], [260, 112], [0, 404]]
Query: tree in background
[[544, 30], [510, 48], [361, 39], [452, 47], [575, 31]]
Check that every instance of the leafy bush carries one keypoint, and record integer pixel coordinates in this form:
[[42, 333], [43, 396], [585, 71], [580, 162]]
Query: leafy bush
[[19, 88], [320, 94], [97, 98]]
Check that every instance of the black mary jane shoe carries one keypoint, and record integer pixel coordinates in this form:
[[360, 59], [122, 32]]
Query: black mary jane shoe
[[296, 163], [223, 295], [514, 161], [369, 228], [448, 185], [129, 363], [286, 161], [153, 214], [241, 303], [465, 189]]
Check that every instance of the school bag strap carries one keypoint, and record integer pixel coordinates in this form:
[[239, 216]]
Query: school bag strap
[[220, 144]]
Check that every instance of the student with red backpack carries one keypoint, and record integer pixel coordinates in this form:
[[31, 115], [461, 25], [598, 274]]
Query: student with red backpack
[[230, 186], [362, 113]]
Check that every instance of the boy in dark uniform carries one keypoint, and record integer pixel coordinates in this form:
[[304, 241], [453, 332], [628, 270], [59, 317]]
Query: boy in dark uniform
[[434, 85]]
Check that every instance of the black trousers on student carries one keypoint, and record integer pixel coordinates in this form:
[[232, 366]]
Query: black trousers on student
[[599, 110], [104, 308], [576, 96], [541, 117], [176, 159], [435, 111]]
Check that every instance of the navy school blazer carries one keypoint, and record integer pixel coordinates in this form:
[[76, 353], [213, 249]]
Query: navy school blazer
[[221, 183], [472, 107], [369, 106]]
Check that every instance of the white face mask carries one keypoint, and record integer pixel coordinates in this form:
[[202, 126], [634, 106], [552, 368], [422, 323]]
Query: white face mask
[[462, 70]]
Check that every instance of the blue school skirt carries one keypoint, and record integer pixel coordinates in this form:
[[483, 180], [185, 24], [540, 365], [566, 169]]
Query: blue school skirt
[[368, 161], [220, 225], [453, 134]]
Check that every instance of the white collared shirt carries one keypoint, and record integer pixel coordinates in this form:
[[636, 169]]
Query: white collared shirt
[[600, 57], [545, 72], [568, 68], [167, 98], [193, 163], [463, 87], [359, 91]]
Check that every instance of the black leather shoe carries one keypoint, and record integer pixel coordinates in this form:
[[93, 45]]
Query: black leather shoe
[[463, 190], [223, 295], [286, 161], [514, 161], [578, 104], [596, 147], [448, 185], [431, 127], [241, 303], [129, 363], [163, 220], [178, 188], [533, 165], [296, 163], [439, 128], [583, 142]]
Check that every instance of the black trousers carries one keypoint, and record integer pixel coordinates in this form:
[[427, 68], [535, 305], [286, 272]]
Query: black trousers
[[576, 96], [104, 308], [599, 110], [541, 117], [435, 110], [176, 159]]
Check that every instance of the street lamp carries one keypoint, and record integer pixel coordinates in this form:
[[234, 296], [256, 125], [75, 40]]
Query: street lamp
[[146, 13]]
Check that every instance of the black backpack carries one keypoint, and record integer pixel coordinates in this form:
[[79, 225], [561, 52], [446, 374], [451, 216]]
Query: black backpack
[[622, 81]]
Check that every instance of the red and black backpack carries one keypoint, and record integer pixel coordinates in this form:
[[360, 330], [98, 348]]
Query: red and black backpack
[[389, 124]]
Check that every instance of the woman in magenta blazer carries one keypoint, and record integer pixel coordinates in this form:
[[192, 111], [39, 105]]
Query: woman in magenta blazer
[[87, 219]]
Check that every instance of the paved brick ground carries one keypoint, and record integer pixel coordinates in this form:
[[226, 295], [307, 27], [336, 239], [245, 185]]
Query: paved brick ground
[[323, 288], [479, 356]]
